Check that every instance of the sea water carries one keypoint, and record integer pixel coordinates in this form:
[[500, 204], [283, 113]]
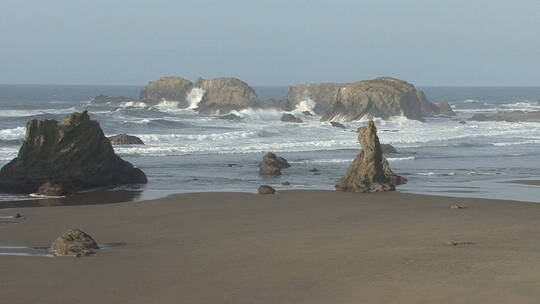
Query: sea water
[[187, 152]]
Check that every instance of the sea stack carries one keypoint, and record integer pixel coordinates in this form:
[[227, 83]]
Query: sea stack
[[271, 165], [367, 171], [72, 154]]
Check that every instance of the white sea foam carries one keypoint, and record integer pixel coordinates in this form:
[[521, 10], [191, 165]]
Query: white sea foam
[[15, 133], [305, 105], [134, 104], [194, 96], [394, 159], [436, 174]]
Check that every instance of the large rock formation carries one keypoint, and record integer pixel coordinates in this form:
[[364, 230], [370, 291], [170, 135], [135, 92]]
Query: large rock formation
[[271, 165], [74, 243], [381, 97], [225, 94], [369, 171], [72, 153], [125, 139], [167, 88]]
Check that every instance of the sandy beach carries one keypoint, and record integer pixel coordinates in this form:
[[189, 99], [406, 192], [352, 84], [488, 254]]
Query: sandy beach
[[293, 247]]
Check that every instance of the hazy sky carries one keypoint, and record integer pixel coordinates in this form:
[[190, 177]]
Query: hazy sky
[[276, 42]]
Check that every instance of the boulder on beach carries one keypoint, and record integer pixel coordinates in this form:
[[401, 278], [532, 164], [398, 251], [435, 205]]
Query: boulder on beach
[[337, 124], [108, 99], [50, 189], [125, 139], [367, 172], [388, 149], [291, 118], [167, 88], [74, 243], [265, 189], [271, 165], [225, 94], [73, 153], [445, 109], [381, 97]]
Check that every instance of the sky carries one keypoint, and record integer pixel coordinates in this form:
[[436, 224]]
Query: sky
[[276, 42]]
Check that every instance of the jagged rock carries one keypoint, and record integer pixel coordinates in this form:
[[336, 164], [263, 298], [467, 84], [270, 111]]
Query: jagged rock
[[230, 116], [51, 189], [291, 118], [388, 149], [381, 97], [462, 122], [271, 165], [445, 109], [337, 125], [124, 139], [369, 171], [73, 153], [394, 179], [108, 99], [225, 94], [167, 88], [314, 170], [265, 189], [307, 113], [74, 243]]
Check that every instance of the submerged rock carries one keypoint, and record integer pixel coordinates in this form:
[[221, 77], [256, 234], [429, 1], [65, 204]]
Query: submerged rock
[[337, 125], [230, 116], [388, 149], [307, 113], [50, 189], [271, 165], [445, 109], [381, 97], [369, 171], [125, 139], [225, 94], [167, 88], [108, 99], [73, 153], [74, 243], [265, 189], [291, 118]]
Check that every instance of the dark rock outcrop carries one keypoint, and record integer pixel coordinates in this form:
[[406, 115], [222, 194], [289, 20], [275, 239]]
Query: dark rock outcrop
[[271, 165], [445, 109], [367, 172], [125, 139], [230, 116], [50, 189], [73, 153], [392, 177], [108, 99], [74, 243], [291, 118], [265, 189], [167, 88], [381, 97], [388, 149], [515, 116], [337, 124], [225, 94]]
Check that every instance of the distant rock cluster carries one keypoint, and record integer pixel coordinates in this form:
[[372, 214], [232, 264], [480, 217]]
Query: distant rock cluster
[[337, 102]]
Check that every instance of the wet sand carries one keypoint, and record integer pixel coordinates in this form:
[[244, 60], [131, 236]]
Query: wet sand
[[294, 247]]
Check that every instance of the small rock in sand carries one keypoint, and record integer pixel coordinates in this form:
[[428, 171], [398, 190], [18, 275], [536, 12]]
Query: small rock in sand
[[286, 183], [51, 189], [265, 189], [18, 215], [457, 207], [74, 243], [457, 244]]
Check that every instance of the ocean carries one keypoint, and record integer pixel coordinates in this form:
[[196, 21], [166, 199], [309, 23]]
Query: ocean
[[185, 152]]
